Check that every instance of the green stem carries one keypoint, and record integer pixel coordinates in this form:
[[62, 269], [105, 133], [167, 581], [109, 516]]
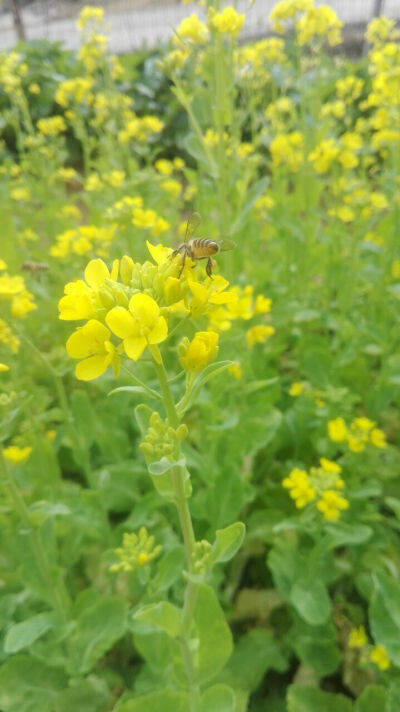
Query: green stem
[[56, 588], [188, 539]]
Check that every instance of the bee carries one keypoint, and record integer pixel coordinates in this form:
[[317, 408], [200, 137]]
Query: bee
[[200, 248], [34, 267]]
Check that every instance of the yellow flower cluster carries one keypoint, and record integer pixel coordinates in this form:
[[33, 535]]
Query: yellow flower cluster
[[84, 240], [52, 126], [228, 22], [360, 433], [321, 484], [13, 289], [12, 69], [8, 338], [191, 30], [376, 654], [287, 149], [253, 61], [243, 304], [16, 454], [138, 128], [128, 309], [309, 22], [137, 550], [197, 354]]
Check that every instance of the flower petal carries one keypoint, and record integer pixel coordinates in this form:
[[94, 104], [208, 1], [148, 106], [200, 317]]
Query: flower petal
[[91, 368], [134, 347], [96, 272], [121, 322], [159, 253], [144, 309], [159, 331]]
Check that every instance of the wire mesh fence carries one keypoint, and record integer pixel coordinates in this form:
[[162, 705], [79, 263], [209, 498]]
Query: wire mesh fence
[[136, 24]]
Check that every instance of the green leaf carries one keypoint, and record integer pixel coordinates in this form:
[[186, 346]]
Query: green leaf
[[342, 533], [22, 635], [214, 369], [169, 569], [254, 654], [29, 685], [253, 194], [372, 699], [228, 541], [160, 616], [160, 701], [164, 465], [89, 695], [310, 699], [219, 698], [393, 697], [137, 390], [214, 635], [98, 628], [384, 615], [316, 646], [311, 600], [84, 416]]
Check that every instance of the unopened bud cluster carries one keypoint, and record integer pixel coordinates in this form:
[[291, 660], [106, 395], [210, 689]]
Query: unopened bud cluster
[[201, 556], [161, 440], [137, 551]]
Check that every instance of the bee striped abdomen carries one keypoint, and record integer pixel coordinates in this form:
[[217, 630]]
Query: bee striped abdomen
[[203, 247]]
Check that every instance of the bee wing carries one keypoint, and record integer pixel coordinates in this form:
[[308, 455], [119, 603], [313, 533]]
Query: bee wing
[[225, 245], [192, 225]]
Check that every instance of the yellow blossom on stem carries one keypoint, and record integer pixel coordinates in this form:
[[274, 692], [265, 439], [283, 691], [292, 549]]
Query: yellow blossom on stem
[[139, 327], [191, 29], [258, 334], [91, 343], [296, 388], [235, 369], [337, 430], [300, 488], [358, 637], [228, 22], [379, 656], [16, 454], [200, 351], [331, 504], [4, 367]]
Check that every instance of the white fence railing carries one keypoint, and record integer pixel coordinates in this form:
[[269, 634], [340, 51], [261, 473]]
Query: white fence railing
[[133, 24]]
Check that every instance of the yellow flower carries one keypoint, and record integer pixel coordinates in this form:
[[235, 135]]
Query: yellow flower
[[4, 367], [91, 342], [330, 467], [34, 88], [227, 22], [201, 350], [378, 438], [22, 303], [379, 656], [51, 126], [79, 301], [20, 194], [173, 187], [3, 265], [358, 637], [16, 454], [136, 551], [337, 430], [163, 166], [192, 29], [90, 16], [262, 304], [139, 327], [296, 389], [331, 504], [299, 487], [258, 334], [11, 285]]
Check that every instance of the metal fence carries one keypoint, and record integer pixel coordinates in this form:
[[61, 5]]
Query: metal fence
[[135, 24]]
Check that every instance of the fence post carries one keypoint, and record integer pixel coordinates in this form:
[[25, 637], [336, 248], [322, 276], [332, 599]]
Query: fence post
[[18, 24], [378, 8]]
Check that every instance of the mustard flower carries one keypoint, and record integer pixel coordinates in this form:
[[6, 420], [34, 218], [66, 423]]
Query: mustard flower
[[300, 488], [51, 126], [8, 338], [358, 637], [227, 22], [137, 551], [379, 656], [235, 369], [139, 327], [331, 505], [4, 367], [91, 343], [191, 29], [258, 334], [16, 455], [337, 430], [200, 351], [296, 388]]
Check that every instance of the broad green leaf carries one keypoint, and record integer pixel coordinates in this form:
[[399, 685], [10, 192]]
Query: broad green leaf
[[22, 635], [316, 646], [372, 699], [254, 654], [311, 600], [384, 615], [160, 616], [98, 628], [311, 699], [393, 697], [29, 685], [214, 635], [219, 698], [160, 701], [91, 695], [164, 465], [169, 569], [227, 542], [342, 533]]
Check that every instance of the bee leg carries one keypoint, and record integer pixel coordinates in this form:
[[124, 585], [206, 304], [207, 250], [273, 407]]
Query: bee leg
[[183, 264], [209, 267]]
